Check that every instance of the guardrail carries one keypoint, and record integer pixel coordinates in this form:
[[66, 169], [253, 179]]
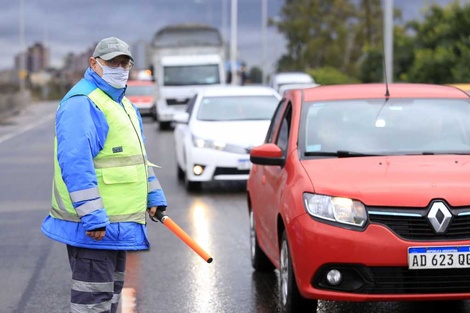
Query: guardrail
[[11, 103]]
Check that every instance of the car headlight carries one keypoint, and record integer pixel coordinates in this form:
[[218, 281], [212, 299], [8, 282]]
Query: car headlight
[[336, 209], [210, 144], [219, 145]]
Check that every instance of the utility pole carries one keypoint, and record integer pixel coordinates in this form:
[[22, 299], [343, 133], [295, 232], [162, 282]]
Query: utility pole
[[224, 20], [22, 70], [233, 42], [388, 40], [264, 22]]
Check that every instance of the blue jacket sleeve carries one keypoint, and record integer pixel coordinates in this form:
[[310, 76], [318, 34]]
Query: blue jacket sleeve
[[81, 130]]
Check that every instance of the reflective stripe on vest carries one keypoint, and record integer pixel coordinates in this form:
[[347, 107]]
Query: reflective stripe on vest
[[121, 170]]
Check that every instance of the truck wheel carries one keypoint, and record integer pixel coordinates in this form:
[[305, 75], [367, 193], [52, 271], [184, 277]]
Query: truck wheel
[[165, 125], [153, 113]]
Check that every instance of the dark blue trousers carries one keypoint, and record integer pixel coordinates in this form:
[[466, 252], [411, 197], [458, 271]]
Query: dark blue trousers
[[97, 279]]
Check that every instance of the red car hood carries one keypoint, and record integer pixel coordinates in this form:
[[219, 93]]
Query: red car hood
[[393, 180]]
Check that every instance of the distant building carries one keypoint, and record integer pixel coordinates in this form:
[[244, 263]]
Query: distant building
[[37, 58], [75, 65]]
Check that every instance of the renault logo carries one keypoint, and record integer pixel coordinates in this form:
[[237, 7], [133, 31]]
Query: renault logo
[[440, 217]]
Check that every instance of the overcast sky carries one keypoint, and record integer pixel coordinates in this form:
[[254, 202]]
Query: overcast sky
[[75, 25]]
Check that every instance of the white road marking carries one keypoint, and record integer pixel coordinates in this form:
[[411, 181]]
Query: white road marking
[[27, 127]]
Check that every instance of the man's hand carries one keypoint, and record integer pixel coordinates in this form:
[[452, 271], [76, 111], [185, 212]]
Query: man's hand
[[97, 234], [153, 212]]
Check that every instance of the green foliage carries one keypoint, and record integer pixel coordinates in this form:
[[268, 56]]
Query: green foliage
[[346, 35], [330, 76], [329, 33], [255, 75], [403, 53], [441, 46], [371, 70]]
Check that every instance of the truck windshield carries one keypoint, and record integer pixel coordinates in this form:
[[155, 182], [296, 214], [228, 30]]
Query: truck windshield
[[191, 75]]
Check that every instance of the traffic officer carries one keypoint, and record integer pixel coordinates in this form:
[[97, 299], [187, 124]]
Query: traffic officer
[[103, 182]]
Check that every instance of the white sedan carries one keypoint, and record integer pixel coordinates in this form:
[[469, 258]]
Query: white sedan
[[214, 136]]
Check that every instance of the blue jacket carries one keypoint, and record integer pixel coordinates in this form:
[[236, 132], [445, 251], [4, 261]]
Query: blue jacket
[[79, 118]]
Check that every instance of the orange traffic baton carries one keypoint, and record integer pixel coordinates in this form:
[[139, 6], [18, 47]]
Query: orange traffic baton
[[168, 222]]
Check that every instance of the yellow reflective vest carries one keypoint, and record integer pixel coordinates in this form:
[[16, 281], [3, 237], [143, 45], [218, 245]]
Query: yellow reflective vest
[[121, 170]]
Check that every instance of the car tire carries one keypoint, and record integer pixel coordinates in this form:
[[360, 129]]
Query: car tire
[[192, 185], [290, 297], [179, 172], [259, 260]]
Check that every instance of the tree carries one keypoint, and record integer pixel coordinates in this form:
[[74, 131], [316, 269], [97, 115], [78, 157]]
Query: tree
[[255, 75], [331, 76], [372, 64], [442, 45], [331, 33]]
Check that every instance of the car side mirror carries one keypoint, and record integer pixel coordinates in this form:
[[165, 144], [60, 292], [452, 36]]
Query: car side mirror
[[181, 118], [267, 154]]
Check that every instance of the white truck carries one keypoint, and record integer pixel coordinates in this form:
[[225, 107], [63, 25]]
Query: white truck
[[185, 57]]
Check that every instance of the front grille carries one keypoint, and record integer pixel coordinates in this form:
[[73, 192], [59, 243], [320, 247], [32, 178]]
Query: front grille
[[230, 171], [394, 280], [171, 101], [418, 227]]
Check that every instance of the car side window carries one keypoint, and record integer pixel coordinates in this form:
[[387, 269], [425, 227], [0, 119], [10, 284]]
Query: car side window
[[275, 120], [284, 130], [191, 103]]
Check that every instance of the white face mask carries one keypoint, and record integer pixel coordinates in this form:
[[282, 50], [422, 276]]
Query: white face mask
[[116, 77]]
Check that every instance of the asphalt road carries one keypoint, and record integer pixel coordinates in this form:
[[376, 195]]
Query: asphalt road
[[170, 277]]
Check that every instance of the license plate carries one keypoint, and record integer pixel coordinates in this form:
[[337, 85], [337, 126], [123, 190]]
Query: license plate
[[244, 164], [438, 257]]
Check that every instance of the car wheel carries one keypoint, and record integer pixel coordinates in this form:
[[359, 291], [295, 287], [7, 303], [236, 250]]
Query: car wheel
[[179, 172], [291, 299], [192, 185], [259, 260]]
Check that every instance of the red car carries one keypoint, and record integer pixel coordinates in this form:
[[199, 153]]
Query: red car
[[142, 94], [362, 193]]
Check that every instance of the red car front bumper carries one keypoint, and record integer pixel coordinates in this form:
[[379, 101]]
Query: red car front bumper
[[373, 263]]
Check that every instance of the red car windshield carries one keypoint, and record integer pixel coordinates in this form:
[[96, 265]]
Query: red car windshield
[[379, 126]]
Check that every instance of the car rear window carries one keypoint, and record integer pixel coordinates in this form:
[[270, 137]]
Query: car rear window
[[234, 108], [136, 90]]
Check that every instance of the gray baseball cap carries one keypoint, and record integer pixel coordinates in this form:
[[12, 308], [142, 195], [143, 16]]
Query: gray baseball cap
[[111, 47]]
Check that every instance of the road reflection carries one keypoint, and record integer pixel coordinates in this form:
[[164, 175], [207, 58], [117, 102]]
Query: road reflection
[[265, 292], [205, 275], [132, 282]]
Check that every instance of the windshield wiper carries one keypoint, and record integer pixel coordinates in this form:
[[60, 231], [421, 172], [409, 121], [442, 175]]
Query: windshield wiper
[[440, 153], [340, 154]]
